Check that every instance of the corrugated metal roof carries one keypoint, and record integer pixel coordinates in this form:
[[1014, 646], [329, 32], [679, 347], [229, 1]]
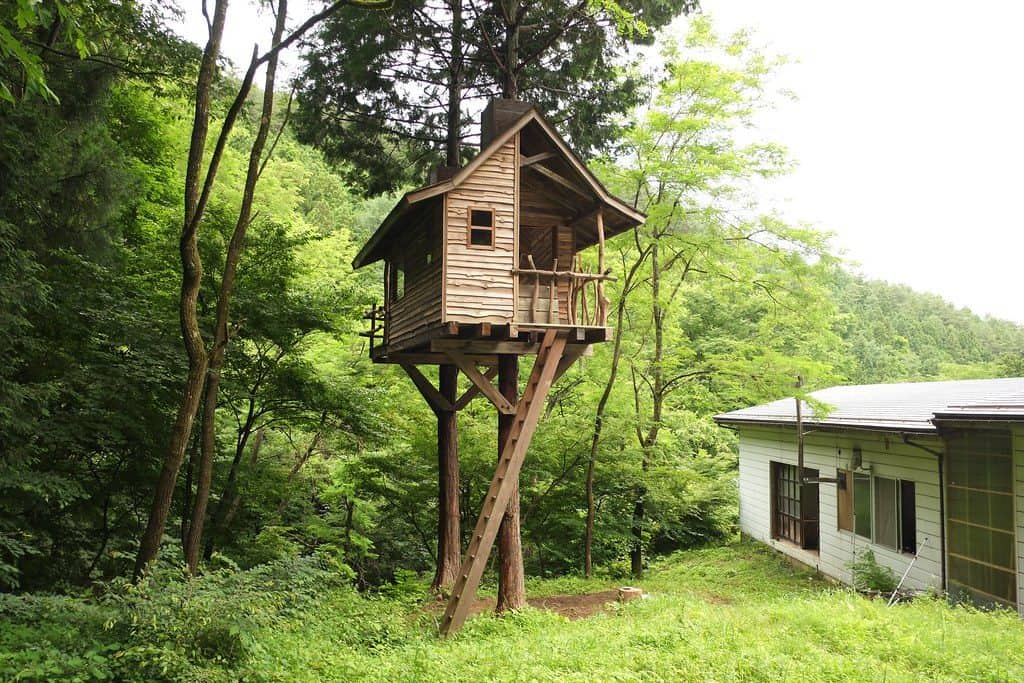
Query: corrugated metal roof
[[899, 407]]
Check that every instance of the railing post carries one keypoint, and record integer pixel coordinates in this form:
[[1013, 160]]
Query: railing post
[[601, 316]]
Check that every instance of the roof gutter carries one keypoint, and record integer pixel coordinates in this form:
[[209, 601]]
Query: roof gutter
[[942, 501]]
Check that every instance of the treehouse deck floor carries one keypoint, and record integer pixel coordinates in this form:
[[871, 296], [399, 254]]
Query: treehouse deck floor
[[482, 341]]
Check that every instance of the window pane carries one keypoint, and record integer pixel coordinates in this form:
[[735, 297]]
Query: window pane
[[885, 512], [845, 500], [481, 236], [862, 504], [481, 218]]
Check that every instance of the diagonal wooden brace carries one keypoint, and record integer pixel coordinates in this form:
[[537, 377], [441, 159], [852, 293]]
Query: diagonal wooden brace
[[474, 390], [481, 382], [437, 402]]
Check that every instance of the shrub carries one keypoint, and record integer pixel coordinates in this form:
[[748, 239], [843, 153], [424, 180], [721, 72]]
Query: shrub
[[868, 575], [169, 627]]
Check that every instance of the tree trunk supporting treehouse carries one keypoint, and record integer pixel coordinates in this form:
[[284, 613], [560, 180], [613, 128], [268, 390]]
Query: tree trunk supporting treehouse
[[511, 574], [506, 478], [449, 545]]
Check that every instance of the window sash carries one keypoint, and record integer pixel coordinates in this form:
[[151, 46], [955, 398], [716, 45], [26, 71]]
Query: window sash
[[885, 511], [480, 228]]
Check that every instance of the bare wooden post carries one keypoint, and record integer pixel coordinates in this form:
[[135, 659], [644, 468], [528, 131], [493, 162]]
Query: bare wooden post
[[584, 308], [553, 292], [536, 290], [602, 302], [511, 574]]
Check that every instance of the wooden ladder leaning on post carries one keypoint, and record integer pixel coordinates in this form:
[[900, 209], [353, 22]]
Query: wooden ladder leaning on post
[[528, 412]]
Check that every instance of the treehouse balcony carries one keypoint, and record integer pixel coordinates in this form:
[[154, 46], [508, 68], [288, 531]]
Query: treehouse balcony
[[488, 257]]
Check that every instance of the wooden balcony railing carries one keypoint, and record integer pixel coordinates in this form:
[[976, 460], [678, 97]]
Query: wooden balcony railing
[[585, 302], [375, 315]]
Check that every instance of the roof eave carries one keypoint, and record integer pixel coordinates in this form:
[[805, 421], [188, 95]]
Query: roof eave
[[917, 428], [363, 257]]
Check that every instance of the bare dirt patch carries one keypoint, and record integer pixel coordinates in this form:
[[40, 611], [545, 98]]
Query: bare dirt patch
[[715, 598]]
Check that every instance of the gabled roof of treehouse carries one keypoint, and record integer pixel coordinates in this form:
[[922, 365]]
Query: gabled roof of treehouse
[[413, 206], [909, 406]]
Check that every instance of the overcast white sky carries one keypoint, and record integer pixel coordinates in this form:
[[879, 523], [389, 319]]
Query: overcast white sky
[[908, 132]]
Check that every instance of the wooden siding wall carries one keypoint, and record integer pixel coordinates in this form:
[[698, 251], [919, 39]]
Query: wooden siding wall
[[479, 286], [826, 453], [420, 307]]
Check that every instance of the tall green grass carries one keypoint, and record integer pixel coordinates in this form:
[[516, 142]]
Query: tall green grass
[[732, 613], [736, 613]]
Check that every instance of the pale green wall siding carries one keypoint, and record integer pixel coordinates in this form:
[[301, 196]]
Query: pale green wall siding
[[827, 452]]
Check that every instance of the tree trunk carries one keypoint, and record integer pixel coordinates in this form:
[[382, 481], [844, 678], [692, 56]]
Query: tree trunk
[[229, 494], [453, 151], [449, 538], [302, 460], [192, 274], [510, 75], [193, 460], [234, 255], [636, 552], [511, 575], [648, 441], [595, 442], [236, 497]]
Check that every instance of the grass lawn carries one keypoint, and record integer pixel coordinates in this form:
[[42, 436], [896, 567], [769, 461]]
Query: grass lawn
[[734, 613]]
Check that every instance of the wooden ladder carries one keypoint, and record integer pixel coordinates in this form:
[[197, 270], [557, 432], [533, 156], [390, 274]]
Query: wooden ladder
[[528, 412]]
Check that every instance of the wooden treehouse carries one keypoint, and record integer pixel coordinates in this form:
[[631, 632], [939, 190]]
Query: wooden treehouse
[[483, 266]]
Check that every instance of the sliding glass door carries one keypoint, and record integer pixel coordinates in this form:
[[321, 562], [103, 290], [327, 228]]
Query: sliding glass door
[[980, 511]]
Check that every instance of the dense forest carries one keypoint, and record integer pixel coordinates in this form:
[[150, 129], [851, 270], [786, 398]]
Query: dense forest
[[305, 452]]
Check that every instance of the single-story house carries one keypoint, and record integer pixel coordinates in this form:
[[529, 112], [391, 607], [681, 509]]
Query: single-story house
[[929, 467]]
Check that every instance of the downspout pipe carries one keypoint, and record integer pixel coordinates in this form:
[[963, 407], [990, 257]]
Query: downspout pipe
[[942, 501]]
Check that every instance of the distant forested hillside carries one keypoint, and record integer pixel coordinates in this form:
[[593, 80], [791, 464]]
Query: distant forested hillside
[[895, 334]]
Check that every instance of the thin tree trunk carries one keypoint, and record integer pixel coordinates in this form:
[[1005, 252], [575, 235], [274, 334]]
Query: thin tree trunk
[[236, 497], [648, 441], [192, 274], [453, 155], [234, 255], [449, 550], [595, 442], [302, 460], [510, 75], [511, 575], [193, 460], [627, 287]]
